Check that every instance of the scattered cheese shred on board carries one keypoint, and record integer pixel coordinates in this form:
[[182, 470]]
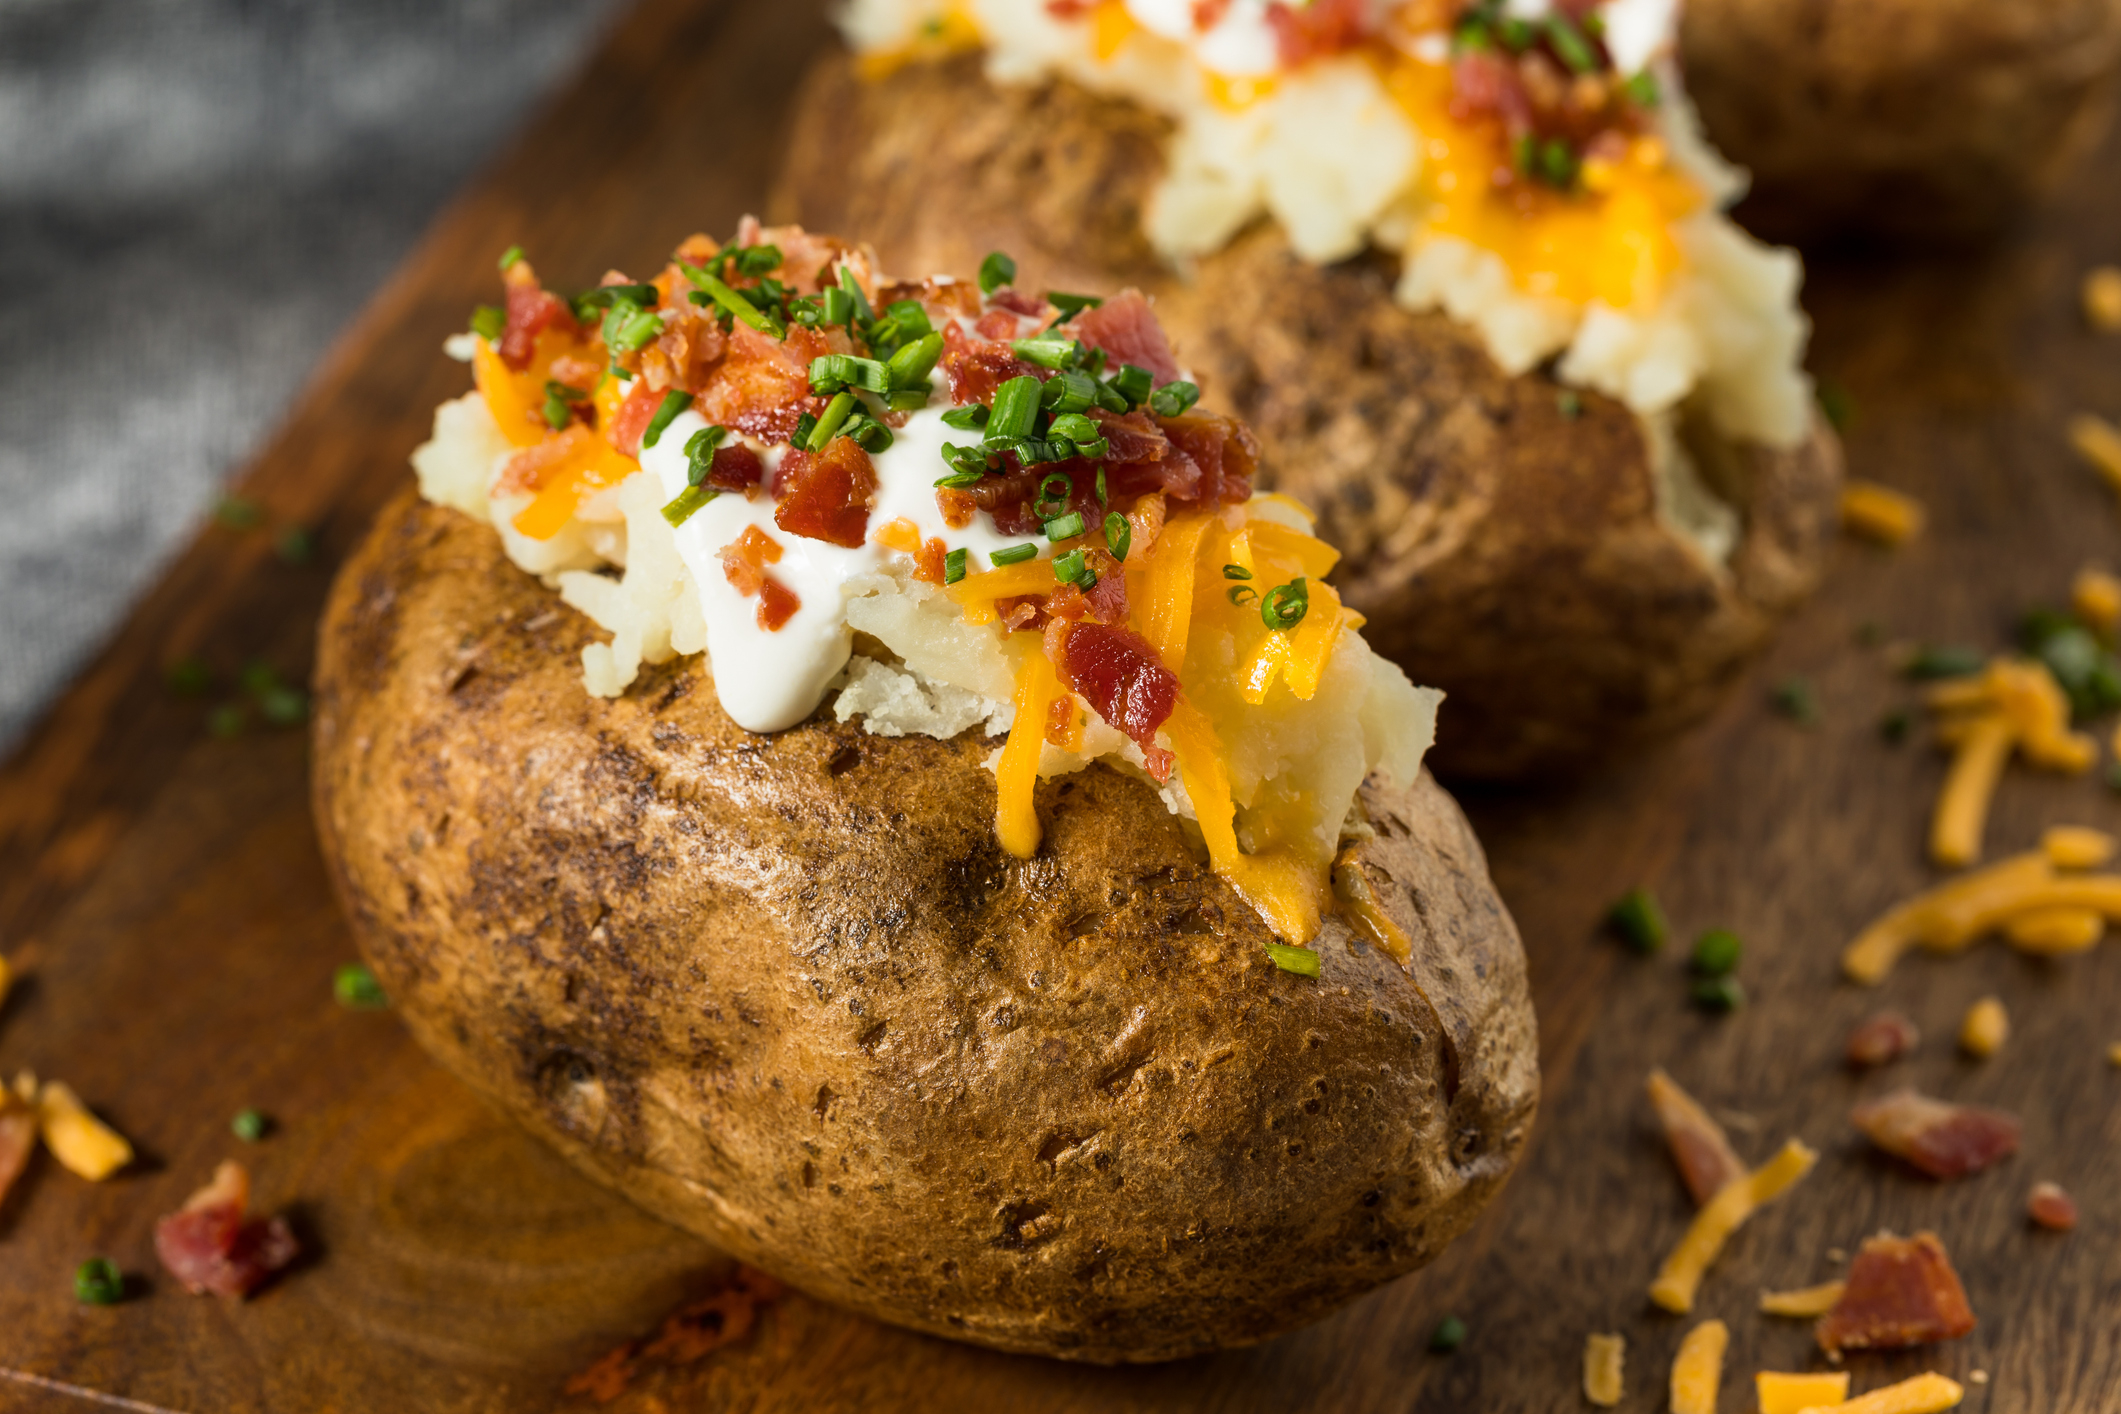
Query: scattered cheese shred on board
[[2076, 846], [2095, 595], [2098, 443], [1950, 917], [1793, 1394], [1806, 1302], [7, 979], [1986, 1027], [1680, 1276], [1879, 513], [1707, 1163], [1962, 806], [1697, 1371], [1924, 1394], [77, 1139], [2102, 298], [1603, 1357], [18, 1137], [2055, 932], [2113, 1054]]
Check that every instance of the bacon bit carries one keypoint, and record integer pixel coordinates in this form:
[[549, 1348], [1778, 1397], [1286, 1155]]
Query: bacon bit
[[1207, 14], [527, 471], [745, 558], [1901, 1291], [763, 384], [2046, 1205], [1698, 1144], [826, 496], [1118, 673], [691, 1333], [735, 468], [1107, 597], [633, 418], [1021, 304], [1064, 724], [1147, 518], [531, 311], [1019, 612], [777, 604], [957, 507], [207, 1246], [1881, 1039], [1943, 1140], [18, 1138], [1312, 31], [1224, 451], [1126, 328], [976, 368], [1066, 605], [928, 561]]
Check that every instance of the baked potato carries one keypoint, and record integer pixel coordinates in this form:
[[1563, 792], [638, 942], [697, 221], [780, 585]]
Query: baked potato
[[1931, 119], [809, 991], [1507, 538]]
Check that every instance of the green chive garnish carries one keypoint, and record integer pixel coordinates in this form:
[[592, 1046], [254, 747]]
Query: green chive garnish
[[699, 455], [996, 271], [98, 1282], [1134, 384], [1286, 604], [1642, 90], [1070, 305], [249, 1126], [1717, 993], [1639, 921], [756, 260], [1074, 568], [954, 566], [674, 402], [1569, 404], [1951, 662], [1795, 699], [226, 721], [828, 426], [1301, 961], [635, 332], [1015, 409], [1064, 527], [1569, 43], [510, 256], [189, 677], [681, 506], [1450, 1333], [284, 706], [295, 545], [1048, 353], [911, 366], [1119, 534], [558, 397], [959, 480], [1894, 726], [1242, 594], [829, 373], [355, 986], [1078, 431], [488, 321], [967, 419], [1174, 398], [1236, 572], [733, 301], [1069, 391], [1014, 555], [1716, 953]]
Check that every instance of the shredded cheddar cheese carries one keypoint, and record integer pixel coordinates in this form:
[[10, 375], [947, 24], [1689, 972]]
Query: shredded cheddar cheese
[[2011, 706], [2076, 847], [1924, 1394], [1879, 513], [1962, 807], [1680, 1276], [1351, 885], [7, 979], [2113, 1054], [2095, 595], [1697, 1371], [1986, 1027], [1016, 777], [1803, 1303], [2099, 443], [2102, 299], [1604, 1358], [77, 1139], [2055, 932], [1793, 1394]]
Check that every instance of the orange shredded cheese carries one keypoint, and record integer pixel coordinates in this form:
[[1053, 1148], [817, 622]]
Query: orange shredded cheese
[[2113, 1054], [1351, 885], [1942, 919], [1962, 807], [590, 465], [2055, 932], [1879, 513], [2095, 595], [1016, 774], [901, 535], [2099, 443], [1680, 1277], [1924, 1394], [952, 32], [1278, 884], [1804, 1302], [2102, 299], [1697, 1371], [507, 396], [1793, 1394], [2010, 706], [1986, 1027], [7, 979], [1604, 1361], [2076, 846], [77, 1139]]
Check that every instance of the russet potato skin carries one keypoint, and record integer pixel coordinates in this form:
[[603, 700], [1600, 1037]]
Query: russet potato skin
[[1923, 119], [1503, 551], [786, 991]]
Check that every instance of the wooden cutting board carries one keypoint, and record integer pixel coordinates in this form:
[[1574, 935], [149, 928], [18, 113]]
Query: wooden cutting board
[[161, 887]]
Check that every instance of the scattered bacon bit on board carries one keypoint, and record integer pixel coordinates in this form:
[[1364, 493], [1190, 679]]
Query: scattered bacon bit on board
[[1882, 1039], [2051, 1208], [1901, 1291], [207, 1246], [1119, 674], [691, 1333], [1943, 1140], [826, 496], [1698, 1144]]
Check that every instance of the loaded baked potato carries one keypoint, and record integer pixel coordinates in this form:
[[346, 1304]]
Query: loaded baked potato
[[1184, 1038], [1581, 517], [1924, 119]]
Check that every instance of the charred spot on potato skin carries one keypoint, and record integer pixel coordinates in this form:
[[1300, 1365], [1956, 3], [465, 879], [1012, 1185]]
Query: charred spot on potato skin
[[822, 1106], [1024, 1225], [844, 760], [574, 1093]]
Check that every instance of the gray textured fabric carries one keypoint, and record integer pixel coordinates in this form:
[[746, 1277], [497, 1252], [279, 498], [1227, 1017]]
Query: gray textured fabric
[[194, 196]]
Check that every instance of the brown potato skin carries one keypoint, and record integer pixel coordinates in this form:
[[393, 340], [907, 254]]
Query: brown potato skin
[[1924, 119], [1503, 552], [788, 992]]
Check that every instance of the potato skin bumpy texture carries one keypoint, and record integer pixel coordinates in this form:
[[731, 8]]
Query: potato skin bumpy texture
[[786, 991]]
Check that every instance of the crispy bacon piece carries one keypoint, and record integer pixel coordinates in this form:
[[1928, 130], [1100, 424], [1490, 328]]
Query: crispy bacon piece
[[999, 325], [763, 384], [1943, 1140], [745, 558], [735, 468], [207, 1246], [2051, 1208], [957, 507], [531, 311], [1119, 675], [1698, 1144], [1881, 1039], [1108, 597], [1303, 32], [928, 560], [1901, 1291], [18, 1138], [1224, 450], [1125, 327], [1017, 302], [777, 604], [527, 470], [695, 1331], [826, 496], [976, 367], [632, 418]]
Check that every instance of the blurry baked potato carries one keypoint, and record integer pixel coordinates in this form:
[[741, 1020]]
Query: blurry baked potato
[[1503, 536], [787, 991], [1921, 118]]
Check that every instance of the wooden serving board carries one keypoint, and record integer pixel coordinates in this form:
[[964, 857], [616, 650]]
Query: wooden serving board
[[162, 890]]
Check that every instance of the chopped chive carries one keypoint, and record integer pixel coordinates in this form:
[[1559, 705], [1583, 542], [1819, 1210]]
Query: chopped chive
[[284, 706], [1055, 490], [1569, 404], [1015, 409], [1174, 398], [1014, 555], [249, 1126], [1102, 498], [1074, 568], [911, 366], [829, 373], [1070, 305], [1929, 663], [510, 256], [1301, 961], [258, 678], [238, 513], [98, 1282], [1516, 34], [756, 260], [1642, 90], [1895, 725], [959, 480], [967, 419], [1716, 953], [996, 271], [733, 301], [954, 566], [1557, 164], [1069, 391], [355, 986], [226, 721], [837, 307], [852, 289], [1134, 384], [674, 402], [1073, 427], [1795, 699], [295, 545], [189, 677], [1450, 1333], [1064, 527], [635, 332], [681, 506], [1286, 604], [558, 403], [1236, 572], [1639, 921], [868, 434], [1723, 994], [1242, 594], [828, 426], [908, 399], [1569, 43], [488, 321], [1119, 534], [1048, 353], [699, 457]]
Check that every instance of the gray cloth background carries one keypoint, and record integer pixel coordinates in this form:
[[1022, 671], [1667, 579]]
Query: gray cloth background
[[194, 196]]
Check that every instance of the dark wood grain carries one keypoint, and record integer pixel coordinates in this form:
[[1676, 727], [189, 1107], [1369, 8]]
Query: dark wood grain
[[163, 892]]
